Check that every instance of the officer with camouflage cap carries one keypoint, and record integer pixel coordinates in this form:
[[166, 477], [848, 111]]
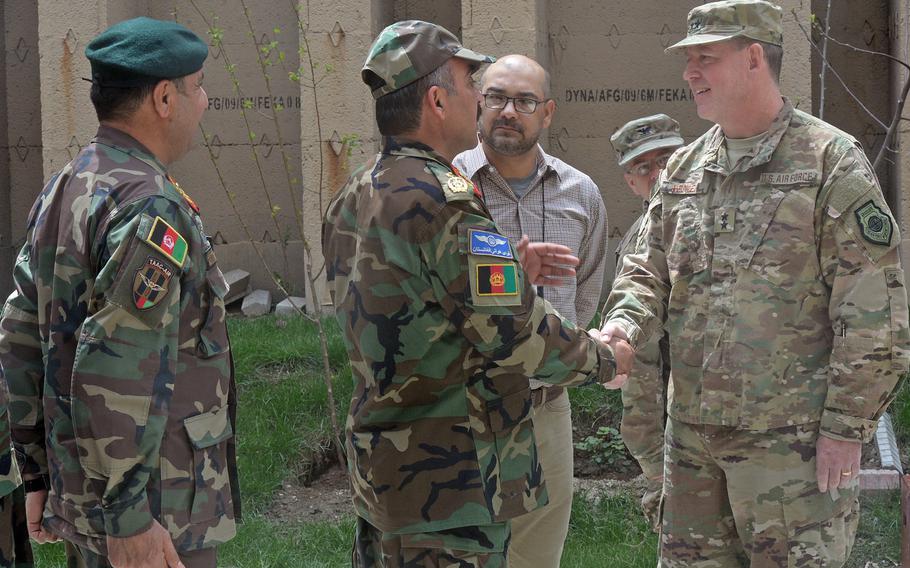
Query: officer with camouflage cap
[[642, 148], [114, 343], [770, 252], [442, 324]]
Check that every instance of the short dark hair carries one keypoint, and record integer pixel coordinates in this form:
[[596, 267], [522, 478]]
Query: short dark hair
[[774, 54], [399, 112], [119, 103]]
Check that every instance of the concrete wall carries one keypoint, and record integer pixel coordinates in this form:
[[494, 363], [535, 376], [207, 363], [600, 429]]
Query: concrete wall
[[21, 174], [606, 59]]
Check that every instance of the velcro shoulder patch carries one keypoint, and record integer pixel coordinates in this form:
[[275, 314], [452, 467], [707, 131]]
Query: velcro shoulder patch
[[499, 279], [487, 243], [166, 240], [875, 225]]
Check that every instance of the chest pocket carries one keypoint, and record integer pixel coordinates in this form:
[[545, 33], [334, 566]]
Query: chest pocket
[[686, 249], [778, 242]]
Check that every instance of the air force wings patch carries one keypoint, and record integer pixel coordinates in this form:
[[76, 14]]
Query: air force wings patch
[[490, 244]]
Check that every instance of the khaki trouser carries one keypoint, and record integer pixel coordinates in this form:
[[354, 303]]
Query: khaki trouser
[[539, 536], [736, 498], [78, 557]]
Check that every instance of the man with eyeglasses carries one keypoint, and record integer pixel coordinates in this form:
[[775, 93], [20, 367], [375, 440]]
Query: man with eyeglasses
[[642, 148], [529, 192]]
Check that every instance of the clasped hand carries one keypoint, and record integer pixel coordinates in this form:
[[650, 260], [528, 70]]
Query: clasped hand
[[623, 354]]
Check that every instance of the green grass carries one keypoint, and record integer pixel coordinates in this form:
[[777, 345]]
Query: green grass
[[610, 533], [283, 424]]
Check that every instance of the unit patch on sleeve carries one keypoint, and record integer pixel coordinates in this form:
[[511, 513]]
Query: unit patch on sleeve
[[150, 285], [166, 240], [490, 244], [875, 224], [496, 280]]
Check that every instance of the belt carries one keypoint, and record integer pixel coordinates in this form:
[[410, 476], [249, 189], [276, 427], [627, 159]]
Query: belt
[[542, 394]]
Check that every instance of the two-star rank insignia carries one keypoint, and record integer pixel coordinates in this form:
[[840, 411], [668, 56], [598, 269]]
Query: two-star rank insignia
[[150, 284]]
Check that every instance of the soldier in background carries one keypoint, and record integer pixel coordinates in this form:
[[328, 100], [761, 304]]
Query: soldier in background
[[642, 148], [528, 192], [442, 324], [114, 343], [770, 250], [15, 549]]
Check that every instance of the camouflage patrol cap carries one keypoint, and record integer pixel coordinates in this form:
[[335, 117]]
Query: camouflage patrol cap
[[409, 50], [643, 135], [142, 50], [717, 21]]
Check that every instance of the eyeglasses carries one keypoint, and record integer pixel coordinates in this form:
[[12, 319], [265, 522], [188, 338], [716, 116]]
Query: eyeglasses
[[644, 168], [496, 101]]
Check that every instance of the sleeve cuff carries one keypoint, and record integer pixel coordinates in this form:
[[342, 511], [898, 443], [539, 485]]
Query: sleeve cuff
[[31, 459], [129, 519], [847, 428]]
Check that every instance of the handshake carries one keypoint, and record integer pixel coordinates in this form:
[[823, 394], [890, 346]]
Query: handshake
[[623, 354], [546, 264]]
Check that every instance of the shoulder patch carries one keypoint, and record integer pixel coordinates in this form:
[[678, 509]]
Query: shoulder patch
[[150, 284], [168, 241], [875, 225], [496, 279], [487, 243]]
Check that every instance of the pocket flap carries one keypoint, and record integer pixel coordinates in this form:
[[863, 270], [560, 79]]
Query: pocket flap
[[506, 412], [208, 429]]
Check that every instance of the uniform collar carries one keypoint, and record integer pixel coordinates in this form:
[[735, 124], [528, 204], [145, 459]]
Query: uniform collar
[[398, 146], [120, 140], [715, 158]]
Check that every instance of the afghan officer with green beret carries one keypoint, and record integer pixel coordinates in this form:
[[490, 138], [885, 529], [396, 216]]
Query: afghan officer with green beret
[[770, 257], [114, 343], [442, 325]]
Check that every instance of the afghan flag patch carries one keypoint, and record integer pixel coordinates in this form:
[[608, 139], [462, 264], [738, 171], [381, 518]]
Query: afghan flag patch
[[150, 285], [497, 280], [165, 239], [875, 224]]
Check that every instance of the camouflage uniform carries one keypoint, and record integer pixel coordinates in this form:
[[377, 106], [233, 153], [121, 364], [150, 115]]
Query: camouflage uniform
[[443, 330], [116, 353], [784, 299], [644, 397], [15, 549]]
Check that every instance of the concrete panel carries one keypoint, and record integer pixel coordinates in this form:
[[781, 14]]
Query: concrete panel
[[864, 25], [503, 27], [20, 121], [446, 14]]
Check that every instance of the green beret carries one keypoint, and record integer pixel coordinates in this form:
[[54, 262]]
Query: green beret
[[143, 50]]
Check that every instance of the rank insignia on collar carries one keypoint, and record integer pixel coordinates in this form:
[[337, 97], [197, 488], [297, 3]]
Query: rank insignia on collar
[[150, 284], [166, 240], [457, 184], [875, 224], [497, 280]]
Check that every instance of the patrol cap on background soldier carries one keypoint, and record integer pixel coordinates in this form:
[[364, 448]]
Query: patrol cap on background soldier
[[770, 256], [441, 324], [642, 148], [133, 434]]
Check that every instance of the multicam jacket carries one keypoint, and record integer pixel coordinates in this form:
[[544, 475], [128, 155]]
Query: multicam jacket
[[116, 353], [779, 279], [644, 396], [443, 330]]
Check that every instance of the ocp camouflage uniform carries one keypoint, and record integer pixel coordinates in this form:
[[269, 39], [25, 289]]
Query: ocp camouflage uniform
[[443, 330], [644, 401], [116, 353], [786, 308], [15, 549]]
